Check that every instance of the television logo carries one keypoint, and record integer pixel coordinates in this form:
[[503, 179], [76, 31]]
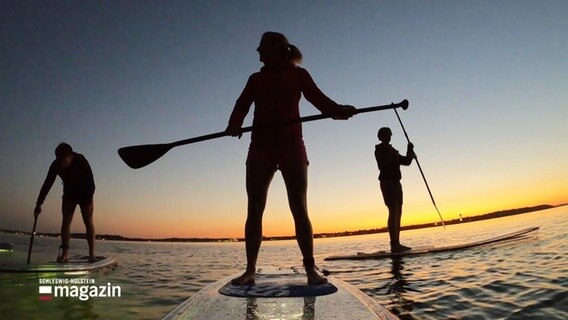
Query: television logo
[[81, 292], [45, 293]]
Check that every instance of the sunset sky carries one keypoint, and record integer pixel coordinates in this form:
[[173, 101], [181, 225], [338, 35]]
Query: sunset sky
[[487, 84]]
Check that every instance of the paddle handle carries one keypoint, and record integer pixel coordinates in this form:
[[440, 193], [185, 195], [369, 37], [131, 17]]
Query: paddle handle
[[403, 104], [32, 240]]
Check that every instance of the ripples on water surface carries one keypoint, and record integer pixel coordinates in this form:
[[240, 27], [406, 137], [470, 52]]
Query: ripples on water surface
[[526, 279]]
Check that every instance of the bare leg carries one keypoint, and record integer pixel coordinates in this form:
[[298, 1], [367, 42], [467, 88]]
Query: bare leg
[[296, 179], [87, 213], [257, 181], [395, 214], [398, 218], [67, 209], [393, 232]]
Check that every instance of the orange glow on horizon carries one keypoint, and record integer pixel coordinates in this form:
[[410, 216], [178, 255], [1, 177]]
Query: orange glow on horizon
[[281, 223], [330, 210]]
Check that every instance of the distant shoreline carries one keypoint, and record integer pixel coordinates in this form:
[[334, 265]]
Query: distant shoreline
[[486, 216]]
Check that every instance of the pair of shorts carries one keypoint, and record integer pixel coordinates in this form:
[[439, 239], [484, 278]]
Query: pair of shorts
[[277, 155], [392, 192], [78, 200]]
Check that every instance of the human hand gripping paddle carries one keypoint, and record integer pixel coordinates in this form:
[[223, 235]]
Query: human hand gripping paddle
[[37, 211], [142, 155], [421, 171]]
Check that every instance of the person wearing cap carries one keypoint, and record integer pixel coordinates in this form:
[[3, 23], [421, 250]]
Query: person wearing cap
[[78, 189], [389, 161], [276, 91]]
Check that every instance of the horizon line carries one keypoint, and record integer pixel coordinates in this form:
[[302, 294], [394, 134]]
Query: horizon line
[[479, 217]]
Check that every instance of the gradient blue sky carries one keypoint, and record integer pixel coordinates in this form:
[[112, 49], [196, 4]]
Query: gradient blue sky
[[487, 84]]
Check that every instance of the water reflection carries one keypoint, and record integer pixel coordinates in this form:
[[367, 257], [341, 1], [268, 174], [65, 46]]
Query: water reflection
[[527, 278], [83, 310], [308, 310], [398, 286]]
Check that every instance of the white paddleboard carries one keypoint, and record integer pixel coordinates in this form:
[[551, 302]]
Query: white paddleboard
[[74, 265], [6, 247], [423, 250], [270, 298]]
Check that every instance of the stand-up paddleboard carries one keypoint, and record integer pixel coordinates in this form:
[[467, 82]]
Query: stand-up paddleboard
[[6, 247], [279, 293], [517, 235], [75, 264]]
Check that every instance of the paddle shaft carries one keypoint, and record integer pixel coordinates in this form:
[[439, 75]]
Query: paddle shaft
[[32, 240], [142, 155], [403, 104], [421, 171]]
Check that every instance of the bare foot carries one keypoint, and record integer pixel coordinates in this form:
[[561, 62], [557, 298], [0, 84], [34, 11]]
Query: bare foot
[[246, 278], [314, 277], [93, 258], [400, 248], [63, 258]]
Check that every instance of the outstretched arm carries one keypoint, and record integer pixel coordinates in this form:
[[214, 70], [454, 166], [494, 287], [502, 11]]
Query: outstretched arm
[[241, 109], [47, 184], [322, 102]]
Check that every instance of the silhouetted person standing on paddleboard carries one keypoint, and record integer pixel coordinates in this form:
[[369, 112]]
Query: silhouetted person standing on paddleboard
[[389, 161], [78, 189], [276, 91]]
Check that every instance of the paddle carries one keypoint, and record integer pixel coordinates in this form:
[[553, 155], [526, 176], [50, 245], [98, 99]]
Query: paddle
[[32, 239], [421, 172], [142, 155]]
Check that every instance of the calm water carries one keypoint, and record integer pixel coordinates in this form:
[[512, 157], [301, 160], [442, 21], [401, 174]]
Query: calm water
[[523, 280]]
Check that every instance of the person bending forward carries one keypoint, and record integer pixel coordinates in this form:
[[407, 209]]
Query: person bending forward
[[78, 189]]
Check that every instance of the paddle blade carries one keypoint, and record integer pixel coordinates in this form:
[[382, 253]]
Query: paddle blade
[[140, 156]]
